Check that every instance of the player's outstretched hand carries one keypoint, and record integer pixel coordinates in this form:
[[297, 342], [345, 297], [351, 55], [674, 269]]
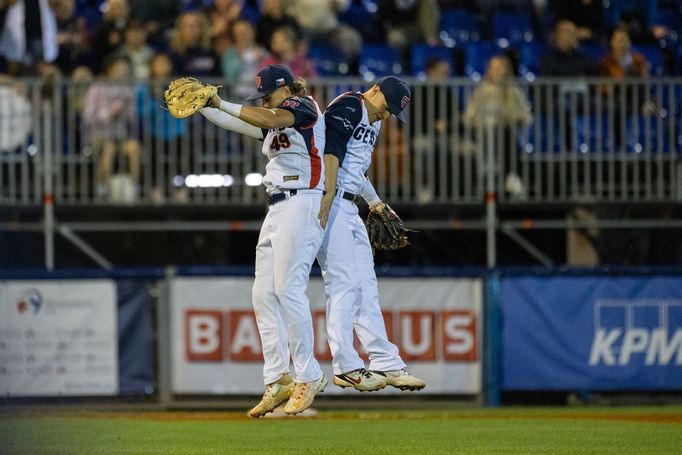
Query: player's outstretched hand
[[325, 207]]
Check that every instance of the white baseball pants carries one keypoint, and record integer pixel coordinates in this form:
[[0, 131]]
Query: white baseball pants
[[352, 294], [289, 240]]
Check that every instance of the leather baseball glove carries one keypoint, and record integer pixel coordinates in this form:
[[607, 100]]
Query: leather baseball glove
[[187, 95], [385, 229]]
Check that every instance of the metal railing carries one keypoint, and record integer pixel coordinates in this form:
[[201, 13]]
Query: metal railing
[[586, 140]]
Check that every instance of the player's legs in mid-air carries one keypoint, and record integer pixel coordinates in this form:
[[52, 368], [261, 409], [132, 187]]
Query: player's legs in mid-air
[[290, 238], [353, 303]]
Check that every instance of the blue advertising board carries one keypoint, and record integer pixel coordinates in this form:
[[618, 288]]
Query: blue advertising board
[[592, 333]]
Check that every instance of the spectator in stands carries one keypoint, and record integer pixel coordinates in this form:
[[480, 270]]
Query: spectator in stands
[[158, 16], [566, 58], [28, 34], [135, 48], [240, 61], [72, 38], [191, 46], [165, 130], [410, 21], [273, 18], [639, 16], [622, 61], [221, 15], [431, 137], [109, 35], [110, 122], [587, 15], [320, 25], [285, 51], [499, 102]]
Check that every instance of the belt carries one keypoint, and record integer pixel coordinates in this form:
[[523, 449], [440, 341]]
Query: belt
[[283, 195], [346, 195]]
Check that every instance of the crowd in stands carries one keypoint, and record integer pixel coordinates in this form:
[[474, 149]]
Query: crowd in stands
[[230, 38]]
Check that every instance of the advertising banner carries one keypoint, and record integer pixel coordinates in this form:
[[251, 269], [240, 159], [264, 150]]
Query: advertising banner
[[58, 338], [216, 347], [592, 333]]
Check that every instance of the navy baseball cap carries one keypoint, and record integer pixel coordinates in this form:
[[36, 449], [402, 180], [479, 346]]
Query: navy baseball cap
[[270, 79], [397, 95]]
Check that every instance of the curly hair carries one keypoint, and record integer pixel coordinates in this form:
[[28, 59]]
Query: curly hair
[[299, 87]]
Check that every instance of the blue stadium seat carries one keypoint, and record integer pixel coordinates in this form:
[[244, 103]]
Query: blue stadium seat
[[512, 29], [654, 57], [529, 60], [379, 60], [420, 54], [328, 60], [594, 51], [459, 27], [477, 56]]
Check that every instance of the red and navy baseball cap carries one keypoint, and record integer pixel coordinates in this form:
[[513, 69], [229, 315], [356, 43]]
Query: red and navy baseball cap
[[270, 79], [397, 95]]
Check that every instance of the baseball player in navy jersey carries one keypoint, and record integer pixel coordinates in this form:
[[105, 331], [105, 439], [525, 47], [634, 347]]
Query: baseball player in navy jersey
[[353, 122], [292, 128]]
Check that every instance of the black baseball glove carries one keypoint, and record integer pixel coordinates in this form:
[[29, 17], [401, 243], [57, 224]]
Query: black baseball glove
[[385, 229]]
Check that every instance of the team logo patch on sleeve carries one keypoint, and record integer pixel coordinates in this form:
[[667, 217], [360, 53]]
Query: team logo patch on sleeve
[[404, 102], [291, 103]]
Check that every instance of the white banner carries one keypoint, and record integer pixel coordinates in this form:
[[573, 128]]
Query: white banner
[[58, 338], [436, 323]]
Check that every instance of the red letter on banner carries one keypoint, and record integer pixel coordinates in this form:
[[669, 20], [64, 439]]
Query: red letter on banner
[[417, 335], [204, 335], [459, 335], [244, 337], [322, 351]]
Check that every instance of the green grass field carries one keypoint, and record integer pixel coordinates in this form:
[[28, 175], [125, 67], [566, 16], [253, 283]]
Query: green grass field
[[654, 430]]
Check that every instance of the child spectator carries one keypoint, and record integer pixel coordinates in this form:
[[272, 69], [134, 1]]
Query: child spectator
[[110, 122], [135, 48]]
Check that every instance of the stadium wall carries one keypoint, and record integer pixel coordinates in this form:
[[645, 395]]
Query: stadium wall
[[467, 332]]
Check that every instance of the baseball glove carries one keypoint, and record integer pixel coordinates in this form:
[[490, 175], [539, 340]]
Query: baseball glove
[[386, 230], [187, 95]]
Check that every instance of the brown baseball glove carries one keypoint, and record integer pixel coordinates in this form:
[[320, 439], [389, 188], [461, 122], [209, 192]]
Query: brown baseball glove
[[386, 230], [187, 95]]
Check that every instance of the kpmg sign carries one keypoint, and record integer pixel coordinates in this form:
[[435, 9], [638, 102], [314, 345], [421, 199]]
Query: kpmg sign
[[592, 333], [637, 331]]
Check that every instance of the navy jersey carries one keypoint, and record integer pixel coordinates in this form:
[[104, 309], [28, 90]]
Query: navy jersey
[[351, 138], [295, 152]]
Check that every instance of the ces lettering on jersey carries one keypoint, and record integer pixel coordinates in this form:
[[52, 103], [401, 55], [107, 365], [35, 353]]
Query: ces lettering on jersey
[[365, 134]]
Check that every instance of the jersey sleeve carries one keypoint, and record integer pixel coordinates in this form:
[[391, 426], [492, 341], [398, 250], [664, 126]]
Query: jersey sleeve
[[305, 114], [340, 119]]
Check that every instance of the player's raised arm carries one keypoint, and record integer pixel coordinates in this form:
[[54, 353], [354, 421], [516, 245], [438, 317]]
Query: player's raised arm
[[229, 122]]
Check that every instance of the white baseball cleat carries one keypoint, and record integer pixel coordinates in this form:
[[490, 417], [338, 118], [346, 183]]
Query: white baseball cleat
[[401, 379], [304, 395], [360, 379], [275, 394]]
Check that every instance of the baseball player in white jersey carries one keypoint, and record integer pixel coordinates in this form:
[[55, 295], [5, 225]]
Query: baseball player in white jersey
[[292, 128], [353, 122]]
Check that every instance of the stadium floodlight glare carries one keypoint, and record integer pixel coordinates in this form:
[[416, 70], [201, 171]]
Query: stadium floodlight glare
[[204, 180], [192, 181], [253, 179]]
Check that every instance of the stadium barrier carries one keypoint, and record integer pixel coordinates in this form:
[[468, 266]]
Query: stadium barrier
[[467, 332], [586, 140]]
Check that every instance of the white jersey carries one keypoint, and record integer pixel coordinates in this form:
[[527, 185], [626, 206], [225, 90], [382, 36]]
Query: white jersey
[[295, 152], [351, 138]]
